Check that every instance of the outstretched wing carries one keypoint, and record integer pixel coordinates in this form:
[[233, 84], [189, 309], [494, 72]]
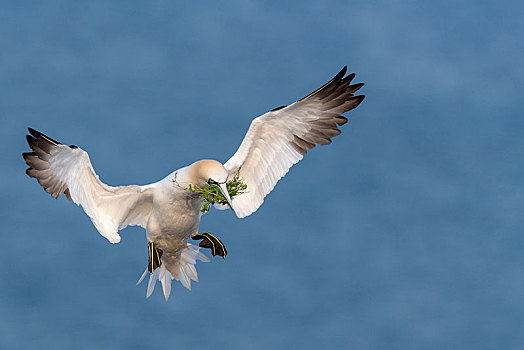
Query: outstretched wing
[[278, 139], [62, 169]]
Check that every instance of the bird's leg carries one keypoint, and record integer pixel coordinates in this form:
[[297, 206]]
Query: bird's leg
[[211, 242], [154, 257]]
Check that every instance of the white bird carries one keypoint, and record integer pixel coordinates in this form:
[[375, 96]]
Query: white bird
[[171, 215]]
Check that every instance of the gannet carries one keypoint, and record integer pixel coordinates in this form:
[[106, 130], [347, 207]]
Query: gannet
[[274, 142]]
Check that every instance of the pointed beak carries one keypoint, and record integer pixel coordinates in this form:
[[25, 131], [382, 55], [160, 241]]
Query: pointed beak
[[223, 189]]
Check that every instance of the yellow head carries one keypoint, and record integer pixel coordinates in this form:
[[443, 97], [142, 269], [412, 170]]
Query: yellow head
[[211, 172]]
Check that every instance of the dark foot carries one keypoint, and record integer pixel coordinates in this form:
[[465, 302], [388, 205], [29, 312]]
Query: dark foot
[[154, 257], [211, 242]]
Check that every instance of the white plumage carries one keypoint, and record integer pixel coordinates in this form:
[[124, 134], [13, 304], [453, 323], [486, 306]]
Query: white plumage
[[274, 142]]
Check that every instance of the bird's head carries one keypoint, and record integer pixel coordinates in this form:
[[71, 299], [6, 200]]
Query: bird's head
[[211, 172]]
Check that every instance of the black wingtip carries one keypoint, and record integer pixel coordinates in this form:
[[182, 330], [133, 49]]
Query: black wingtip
[[33, 132], [30, 140], [360, 99], [341, 120], [37, 134], [277, 108], [336, 79], [341, 74], [26, 155]]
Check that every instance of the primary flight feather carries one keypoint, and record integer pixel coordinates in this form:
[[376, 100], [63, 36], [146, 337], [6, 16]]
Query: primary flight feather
[[170, 214]]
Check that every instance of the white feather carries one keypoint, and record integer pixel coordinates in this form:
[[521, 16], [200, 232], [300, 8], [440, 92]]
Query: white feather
[[110, 208], [186, 271], [278, 139], [184, 279], [152, 281], [142, 277]]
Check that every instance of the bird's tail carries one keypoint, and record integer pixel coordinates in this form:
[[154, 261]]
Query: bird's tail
[[184, 271]]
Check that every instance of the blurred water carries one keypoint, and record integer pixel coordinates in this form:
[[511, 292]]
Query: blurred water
[[405, 233]]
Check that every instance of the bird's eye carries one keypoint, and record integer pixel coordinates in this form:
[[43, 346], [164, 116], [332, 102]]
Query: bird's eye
[[211, 181]]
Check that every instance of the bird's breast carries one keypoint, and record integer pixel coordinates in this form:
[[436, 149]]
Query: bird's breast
[[175, 217]]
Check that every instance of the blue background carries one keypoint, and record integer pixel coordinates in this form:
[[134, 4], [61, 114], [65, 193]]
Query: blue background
[[405, 233]]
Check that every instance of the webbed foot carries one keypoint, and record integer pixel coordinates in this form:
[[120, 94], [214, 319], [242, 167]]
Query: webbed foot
[[211, 242], [154, 257]]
